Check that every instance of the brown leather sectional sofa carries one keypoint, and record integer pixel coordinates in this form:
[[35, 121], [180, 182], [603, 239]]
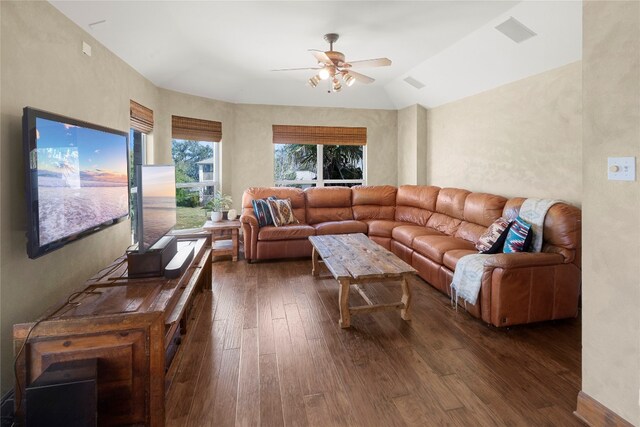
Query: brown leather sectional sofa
[[431, 228]]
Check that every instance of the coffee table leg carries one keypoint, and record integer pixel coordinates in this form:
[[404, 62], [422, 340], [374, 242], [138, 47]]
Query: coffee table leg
[[345, 316], [406, 299], [314, 263]]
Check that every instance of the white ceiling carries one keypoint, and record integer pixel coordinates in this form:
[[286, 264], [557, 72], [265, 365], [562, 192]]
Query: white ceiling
[[225, 50]]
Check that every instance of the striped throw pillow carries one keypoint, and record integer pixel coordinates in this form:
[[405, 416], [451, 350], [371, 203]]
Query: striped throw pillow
[[519, 237], [492, 240], [262, 211]]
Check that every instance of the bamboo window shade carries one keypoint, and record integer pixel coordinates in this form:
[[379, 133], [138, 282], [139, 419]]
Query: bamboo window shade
[[195, 129], [318, 135], [141, 117]]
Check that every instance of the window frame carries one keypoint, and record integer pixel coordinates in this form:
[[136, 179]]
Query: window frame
[[320, 181], [214, 183], [133, 188]]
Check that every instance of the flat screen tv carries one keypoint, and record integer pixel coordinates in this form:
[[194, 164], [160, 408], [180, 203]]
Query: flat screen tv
[[156, 203], [76, 176]]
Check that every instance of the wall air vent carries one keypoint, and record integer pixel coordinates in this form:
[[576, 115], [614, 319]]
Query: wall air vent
[[515, 30], [413, 82]]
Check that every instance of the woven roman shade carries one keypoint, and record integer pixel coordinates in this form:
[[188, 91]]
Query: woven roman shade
[[329, 135], [195, 129], [141, 117]]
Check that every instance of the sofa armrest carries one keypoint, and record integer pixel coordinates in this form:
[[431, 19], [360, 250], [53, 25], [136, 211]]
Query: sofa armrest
[[250, 229], [523, 259]]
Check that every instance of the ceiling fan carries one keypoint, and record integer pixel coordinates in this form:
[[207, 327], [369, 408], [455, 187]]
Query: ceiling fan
[[333, 67]]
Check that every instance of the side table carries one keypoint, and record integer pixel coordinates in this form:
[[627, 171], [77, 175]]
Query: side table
[[224, 237]]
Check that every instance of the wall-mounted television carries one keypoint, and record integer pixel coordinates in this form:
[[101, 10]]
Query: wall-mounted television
[[156, 203], [77, 179]]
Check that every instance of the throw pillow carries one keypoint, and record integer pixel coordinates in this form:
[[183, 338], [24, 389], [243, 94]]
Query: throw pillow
[[262, 211], [492, 240], [519, 237], [281, 212]]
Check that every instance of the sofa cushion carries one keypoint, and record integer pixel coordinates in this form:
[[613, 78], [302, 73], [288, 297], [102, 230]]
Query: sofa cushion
[[286, 232], [483, 209], [444, 223], [340, 227], [406, 233], [382, 227], [373, 202], [450, 202], [470, 231], [416, 203], [434, 247], [328, 204], [451, 258]]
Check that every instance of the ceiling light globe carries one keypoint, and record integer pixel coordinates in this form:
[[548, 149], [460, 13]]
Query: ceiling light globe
[[349, 80], [313, 81], [337, 87], [324, 73]]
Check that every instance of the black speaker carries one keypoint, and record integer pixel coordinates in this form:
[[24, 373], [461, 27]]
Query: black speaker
[[65, 394], [152, 262]]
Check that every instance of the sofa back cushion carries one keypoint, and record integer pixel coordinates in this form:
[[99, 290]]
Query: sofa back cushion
[[480, 211], [295, 194], [328, 204], [373, 202], [449, 210], [562, 228], [416, 203]]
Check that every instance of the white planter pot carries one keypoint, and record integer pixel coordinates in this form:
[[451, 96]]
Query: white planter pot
[[216, 216], [232, 214]]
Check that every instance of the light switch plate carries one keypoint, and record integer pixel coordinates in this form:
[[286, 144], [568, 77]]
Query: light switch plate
[[621, 168], [86, 48]]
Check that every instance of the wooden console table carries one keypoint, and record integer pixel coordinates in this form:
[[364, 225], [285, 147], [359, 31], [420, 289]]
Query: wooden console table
[[224, 237], [131, 326]]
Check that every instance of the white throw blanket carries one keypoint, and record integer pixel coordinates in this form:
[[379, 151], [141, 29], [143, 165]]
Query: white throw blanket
[[534, 211], [467, 278]]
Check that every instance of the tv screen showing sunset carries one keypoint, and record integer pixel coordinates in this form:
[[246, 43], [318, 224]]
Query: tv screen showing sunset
[[82, 178]]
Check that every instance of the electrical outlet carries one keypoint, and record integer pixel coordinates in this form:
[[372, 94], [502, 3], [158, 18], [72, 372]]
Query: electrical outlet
[[621, 168]]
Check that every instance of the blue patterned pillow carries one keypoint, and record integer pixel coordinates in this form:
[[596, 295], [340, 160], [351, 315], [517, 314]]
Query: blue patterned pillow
[[262, 211], [519, 237]]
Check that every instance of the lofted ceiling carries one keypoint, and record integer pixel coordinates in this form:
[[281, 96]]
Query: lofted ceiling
[[225, 49]]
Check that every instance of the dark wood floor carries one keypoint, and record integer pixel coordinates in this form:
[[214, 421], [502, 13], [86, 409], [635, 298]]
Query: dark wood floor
[[265, 348]]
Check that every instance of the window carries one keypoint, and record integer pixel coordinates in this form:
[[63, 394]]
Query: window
[[141, 119], [197, 178], [321, 165]]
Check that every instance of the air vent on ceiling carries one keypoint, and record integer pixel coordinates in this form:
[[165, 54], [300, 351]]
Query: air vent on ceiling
[[413, 82], [515, 30]]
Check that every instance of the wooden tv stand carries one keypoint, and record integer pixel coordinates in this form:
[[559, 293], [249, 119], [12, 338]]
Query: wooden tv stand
[[133, 327]]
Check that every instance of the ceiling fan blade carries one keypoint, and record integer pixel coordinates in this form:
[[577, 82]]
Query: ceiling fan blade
[[378, 62], [297, 69], [361, 77], [321, 56]]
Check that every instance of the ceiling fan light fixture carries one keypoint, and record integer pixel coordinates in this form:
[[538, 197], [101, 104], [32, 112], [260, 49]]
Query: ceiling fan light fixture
[[349, 80], [313, 81], [324, 73], [337, 87]]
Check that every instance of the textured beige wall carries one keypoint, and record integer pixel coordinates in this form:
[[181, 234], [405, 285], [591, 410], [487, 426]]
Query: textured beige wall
[[412, 145], [42, 66], [180, 104], [252, 162], [611, 213], [520, 139]]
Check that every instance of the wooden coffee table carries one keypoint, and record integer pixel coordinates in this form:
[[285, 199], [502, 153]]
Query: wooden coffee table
[[354, 259]]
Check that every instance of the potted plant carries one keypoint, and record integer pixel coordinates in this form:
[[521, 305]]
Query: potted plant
[[218, 203]]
